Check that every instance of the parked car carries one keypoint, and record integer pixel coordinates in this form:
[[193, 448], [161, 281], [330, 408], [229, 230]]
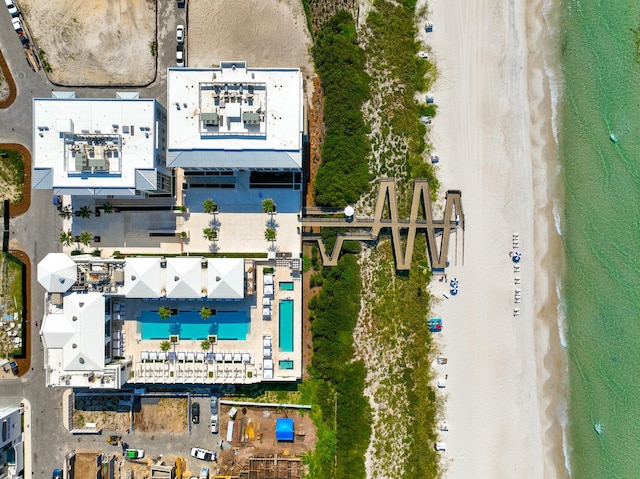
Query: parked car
[[214, 404], [195, 412], [13, 10], [57, 474], [180, 34], [423, 54], [214, 424], [114, 440], [14, 367], [180, 56], [203, 454], [17, 24], [204, 473], [134, 453]]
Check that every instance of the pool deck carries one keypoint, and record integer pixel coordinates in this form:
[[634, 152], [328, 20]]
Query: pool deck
[[210, 372]]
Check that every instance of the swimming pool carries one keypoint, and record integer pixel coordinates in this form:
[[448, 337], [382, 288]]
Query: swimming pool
[[227, 325], [285, 364], [285, 320], [286, 286]]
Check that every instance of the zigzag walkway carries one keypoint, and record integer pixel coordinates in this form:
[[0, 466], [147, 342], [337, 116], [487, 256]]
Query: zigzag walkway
[[368, 229]]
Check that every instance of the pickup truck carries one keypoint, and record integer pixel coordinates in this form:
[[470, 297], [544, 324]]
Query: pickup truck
[[195, 412]]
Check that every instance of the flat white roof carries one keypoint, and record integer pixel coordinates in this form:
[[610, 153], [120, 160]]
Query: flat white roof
[[93, 143], [235, 109]]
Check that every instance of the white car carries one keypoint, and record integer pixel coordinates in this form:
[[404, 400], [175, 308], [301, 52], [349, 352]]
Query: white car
[[203, 454], [214, 424], [13, 10], [423, 54], [17, 25], [180, 34], [180, 57], [426, 120]]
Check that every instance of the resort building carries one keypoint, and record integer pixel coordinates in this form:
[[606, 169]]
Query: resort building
[[11, 443], [233, 138], [100, 147], [168, 320]]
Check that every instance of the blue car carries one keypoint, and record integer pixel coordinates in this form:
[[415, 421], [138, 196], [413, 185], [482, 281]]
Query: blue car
[[57, 474]]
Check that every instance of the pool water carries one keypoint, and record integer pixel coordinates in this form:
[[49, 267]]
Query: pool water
[[286, 286], [285, 364], [285, 320], [227, 325]]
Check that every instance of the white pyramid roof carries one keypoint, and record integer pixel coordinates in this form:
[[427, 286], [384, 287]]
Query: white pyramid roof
[[142, 278], [225, 278], [183, 278], [78, 332], [57, 272]]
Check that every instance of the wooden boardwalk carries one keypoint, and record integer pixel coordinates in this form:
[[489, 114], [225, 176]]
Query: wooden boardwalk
[[438, 231]]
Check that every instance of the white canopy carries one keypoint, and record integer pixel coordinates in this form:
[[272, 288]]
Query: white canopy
[[57, 272], [225, 278], [183, 278], [142, 278]]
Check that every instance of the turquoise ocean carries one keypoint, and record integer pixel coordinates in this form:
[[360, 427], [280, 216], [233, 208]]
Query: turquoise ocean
[[598, 130]]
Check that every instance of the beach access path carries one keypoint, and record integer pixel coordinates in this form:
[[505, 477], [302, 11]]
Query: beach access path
[[486, 136]]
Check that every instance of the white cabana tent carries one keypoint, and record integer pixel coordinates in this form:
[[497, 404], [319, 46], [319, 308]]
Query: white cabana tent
[[183, 278], [142, 278], [225, 278], [57, 272]]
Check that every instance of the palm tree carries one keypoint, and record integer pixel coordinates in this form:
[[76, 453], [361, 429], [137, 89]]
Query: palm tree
[[66, 212], [107, 208], [85, 212], [66, 238], [205, 345], [205, 313], [85, 238], [165, 346], [210, 234], [209, 206], [270, 234], [164, 312], [268, 205]]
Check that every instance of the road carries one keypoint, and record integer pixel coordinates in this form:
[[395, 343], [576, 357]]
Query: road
[[36, 232]]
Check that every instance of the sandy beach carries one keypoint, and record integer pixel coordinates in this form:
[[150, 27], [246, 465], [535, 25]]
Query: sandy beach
[[493, 133]]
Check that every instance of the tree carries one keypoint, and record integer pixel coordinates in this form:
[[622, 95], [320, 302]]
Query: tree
[[107, 208], [164, 312], [205, 345], [85, 238], [209, 206], [85, 212], [210, 234], [66, 212], [66, 238], [205, 313], [165, 346], [268, 205], [270, 234]]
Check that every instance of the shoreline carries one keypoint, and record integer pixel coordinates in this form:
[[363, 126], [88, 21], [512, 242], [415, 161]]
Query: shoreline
[[553, 373], [494, 133]]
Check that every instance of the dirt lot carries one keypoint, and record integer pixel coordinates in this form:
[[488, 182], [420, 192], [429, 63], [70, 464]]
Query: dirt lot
[[258, 436], [162, 414], [265, 33], [95, 43], [102, 410]]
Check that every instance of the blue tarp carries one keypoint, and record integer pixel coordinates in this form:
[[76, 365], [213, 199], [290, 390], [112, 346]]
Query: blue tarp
[[284, 429]]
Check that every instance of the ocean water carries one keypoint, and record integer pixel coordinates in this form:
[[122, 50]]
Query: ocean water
[[600, 97]]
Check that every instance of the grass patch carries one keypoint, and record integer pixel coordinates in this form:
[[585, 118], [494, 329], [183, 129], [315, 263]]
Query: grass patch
[[343, 174], [12, 172]]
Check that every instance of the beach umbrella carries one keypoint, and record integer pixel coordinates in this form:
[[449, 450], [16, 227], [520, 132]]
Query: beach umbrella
[[454, 291], [516, 257]]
